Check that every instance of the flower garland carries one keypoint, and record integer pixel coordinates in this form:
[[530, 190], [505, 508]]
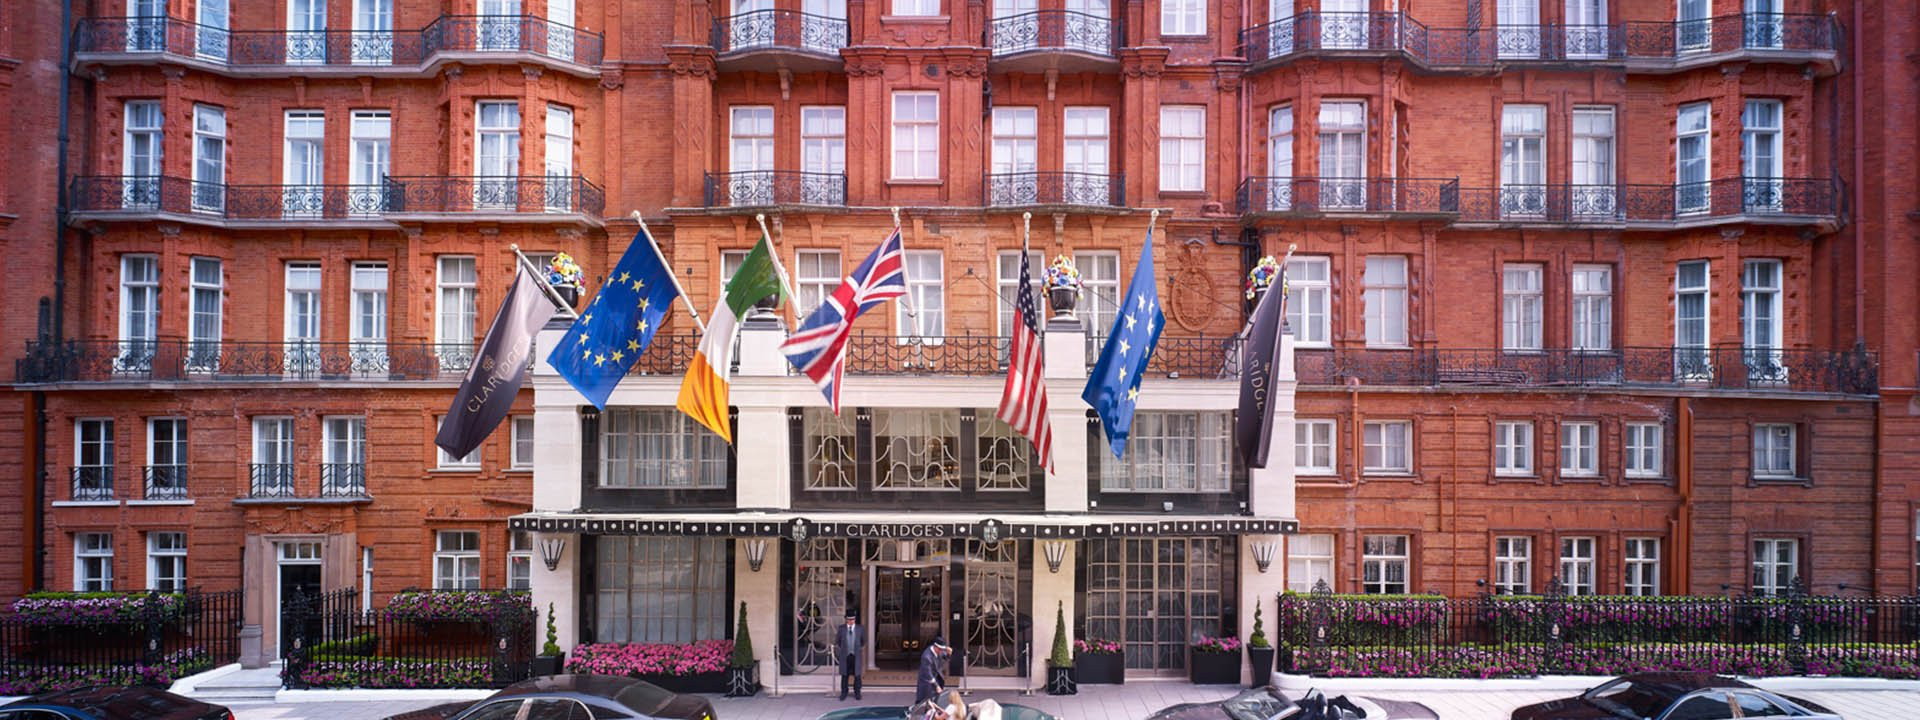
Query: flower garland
[[562, 270], [1062, 274], [1262, 275]]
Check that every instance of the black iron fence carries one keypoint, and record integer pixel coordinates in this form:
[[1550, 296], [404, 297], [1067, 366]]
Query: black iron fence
[[781, 29], [1056, 30], [354, 48], [1853, 372], [1420, 196], [775, 187], [1315, 32], [1520, 636], [58, 640], [1056, 188], [926, 355], [202, 360], [1776, 32], [93, 482], [494, 194], [422, 639], [164, 482], [1809, 197]]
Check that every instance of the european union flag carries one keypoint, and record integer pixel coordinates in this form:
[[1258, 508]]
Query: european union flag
[[617, 326], [1114, 383]]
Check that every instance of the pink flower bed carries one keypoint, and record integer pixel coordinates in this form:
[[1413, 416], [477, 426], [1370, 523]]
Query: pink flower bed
[[634, 659]]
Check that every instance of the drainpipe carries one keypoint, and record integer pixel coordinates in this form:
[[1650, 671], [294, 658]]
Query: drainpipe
[[1859, 185], [1683, 483], [36, 529]]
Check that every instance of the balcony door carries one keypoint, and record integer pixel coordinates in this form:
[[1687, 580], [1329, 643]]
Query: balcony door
[[1016, 156], [753, 25], [1279, 195], [1523, 161], [1343, 172], [211, 37], [560, 20], [146, 25], [1764, 20], [1344, 24], [496, 162], [498, 27], [1761, 164], [1692, 155], [140, 188], [1693, 26], [560, 190], [1280, 28], [750, 156], [302, 319], [303, 171], [368, 330], [369, 161], [825, 28], [372, 32], [1519, 29], [1088, 26], [1592, 194], [1586, 29], [209, 159], [1084, 157], [343, 475], [306, 32]]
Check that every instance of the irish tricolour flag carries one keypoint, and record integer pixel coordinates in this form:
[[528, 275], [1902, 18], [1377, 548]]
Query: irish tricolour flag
[[703, 394]]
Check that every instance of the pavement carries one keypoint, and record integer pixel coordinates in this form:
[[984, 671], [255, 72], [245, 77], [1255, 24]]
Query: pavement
[[1132, 700]]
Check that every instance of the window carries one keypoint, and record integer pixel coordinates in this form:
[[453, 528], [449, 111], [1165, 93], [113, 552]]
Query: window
[[1099, 291], [1523, 156], [1579, 449], [306, 37], [1576, 565], [1592, 308], [1084, 149], [1386, 447], [519, 560], [167, 561], [1309, 295], [916, 7], [661, 589], [1760, 320], [1519, 28], [456, 560], [1383, 565], [1692, 151], [1016, 140], [368, 330], [302, 318], [139, 310], [301, 164], [522, 443], [1313, 447], [1774, 450], [916, 135], [366, 580], [370, 157], [345, 443], [816, 274], [93, 562], [916, 449], [449, 462], [823, 139], [146, 25], [1007, 284], [1513, 448], [1776, 565], [1309, 562], [496, 154], [272, 472], [1343, 173], [1280, 157], [1386, 300], [1171, 452], [752, 149], [1643, 566], [659, 448], [205, 302], [456, 282], [141, 149], [1512, 565], [925, 280], [1520, 306], [559, 155], [1646, 443], [93, 459], [1760, 156], [1183, 17], [209, 158], [1183, 148], [1592, 194], [166, 477], [1690, 295]]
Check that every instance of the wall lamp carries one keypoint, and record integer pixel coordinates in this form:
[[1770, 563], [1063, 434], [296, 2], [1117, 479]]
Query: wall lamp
[[1056, 553], [1263, 553], [552, 547], [756, 553]]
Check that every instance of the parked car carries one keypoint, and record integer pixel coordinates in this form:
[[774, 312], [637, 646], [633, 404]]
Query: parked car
[[1268, 702], [574, 697], [922, 711], [112, 703], [1674, 696]]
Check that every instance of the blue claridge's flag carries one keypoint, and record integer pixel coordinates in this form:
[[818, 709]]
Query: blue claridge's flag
[[616, 327], [1113, 386]]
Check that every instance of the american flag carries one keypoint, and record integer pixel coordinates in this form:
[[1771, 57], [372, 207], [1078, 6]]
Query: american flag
[[819, 348], [1023, 402]]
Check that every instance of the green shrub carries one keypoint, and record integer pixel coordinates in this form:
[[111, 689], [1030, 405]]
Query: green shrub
[[742, 642], [1060, 657]]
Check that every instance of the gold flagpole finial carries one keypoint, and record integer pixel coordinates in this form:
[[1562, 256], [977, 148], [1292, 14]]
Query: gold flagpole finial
[[896, 216]]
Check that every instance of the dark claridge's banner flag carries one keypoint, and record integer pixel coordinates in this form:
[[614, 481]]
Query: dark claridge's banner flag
[[617, 326], [1113, 386], [1253, 425], [498, 371]]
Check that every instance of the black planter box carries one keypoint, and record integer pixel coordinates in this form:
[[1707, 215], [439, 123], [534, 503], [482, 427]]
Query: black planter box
[[1205, 668], [1100, 669], [544, 665], [1262, 661], [1060, 681], [709, 682], [743, 681]]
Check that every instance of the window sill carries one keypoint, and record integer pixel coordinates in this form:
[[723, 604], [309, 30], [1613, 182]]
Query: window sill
[[1302, 473], [1777, 480], [455, 470], [916, 19], [85, 503], [916, 182], [1184, 194], [1592, 478], [1497, 475], [1388, 475], [520, 469], [1647, 479], [1388, 347], [159, 502]]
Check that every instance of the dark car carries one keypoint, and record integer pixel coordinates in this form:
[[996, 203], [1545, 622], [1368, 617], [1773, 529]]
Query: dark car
[[901, 712], [1268, 702], [574, 697], [112, 703], [1674, 696]]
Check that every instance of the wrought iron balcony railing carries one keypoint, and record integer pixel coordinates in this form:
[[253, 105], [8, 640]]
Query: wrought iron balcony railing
[[779, 30], [925, 355], [667, 354], [343, 480], [286, 49], [217, 361], [1056, 30], [93, 482], [494, 194], [1762, 32], [748, 188], [1305, 195], [1787, 199], [165, 482], [1056, 188], [1719, 368], [1313, 31], [270, 480], [129, 193]]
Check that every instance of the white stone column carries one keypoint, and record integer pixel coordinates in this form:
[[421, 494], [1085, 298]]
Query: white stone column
[[762, 477], [1260, 590], [558, 589], [556, 488], [761, 592], [1066, 355], [1273, 485], [1050, 590]]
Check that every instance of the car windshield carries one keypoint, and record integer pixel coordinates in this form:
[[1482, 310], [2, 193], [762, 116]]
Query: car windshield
[[1627, 698], [644, 697]]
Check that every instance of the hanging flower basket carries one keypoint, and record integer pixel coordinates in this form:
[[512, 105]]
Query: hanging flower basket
[[1262, 276], [566, 277], [1063, 286]]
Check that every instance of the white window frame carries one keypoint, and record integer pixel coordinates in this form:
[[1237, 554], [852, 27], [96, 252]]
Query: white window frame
[[209, 158], [1014, 134], [1522, 307], [1310, 300], [1693, 127], [1385, 298], [1312, 438], [446, 462], [1580, 449], [916, 136], [93, 447], [1513, 565], [1086, 146], [456, 564], [1761, 321], [1776, 448], [496, 141], [750, 135], [1513, 448], [1099, 305], [367, 318], [1761, 155], [1007, 284], [273, 444], [1592, 153], [1309, 560], [139, 280], [927, 290], [519, 560], [1523, 153], [1378, 447], [1646, 450], [1183, 18], [1379, 554], [455, 300], [558, 161], [93, 562], [1771, 576], [1343, 149], [1280, 157], [1592, 308], [1691, 357], [916, 8], [1578, 558], [1183, 148], [173, 439], [1642, 562], [206, 299], [143, 153], [816, 273], [522, 439], [371, 149], [167, 561], [303, 161], [823, 139]]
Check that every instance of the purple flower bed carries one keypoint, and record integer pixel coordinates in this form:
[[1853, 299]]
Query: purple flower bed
[[1096, 646], [390, 673], [637, 659], [1469, 661], [487, 606], [28, 680], [1373, 617], [66, 609]]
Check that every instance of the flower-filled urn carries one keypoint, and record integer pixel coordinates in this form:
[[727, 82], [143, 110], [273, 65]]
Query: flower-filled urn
[[1063, 286], [1262, 276], [566, 277]]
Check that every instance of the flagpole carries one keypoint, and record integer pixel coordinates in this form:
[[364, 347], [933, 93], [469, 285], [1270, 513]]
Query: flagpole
[[913, 311], [774, 254], [655, 247], [540, 278]]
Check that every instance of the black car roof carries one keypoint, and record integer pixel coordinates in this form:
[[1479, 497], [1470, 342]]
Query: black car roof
[[600, 686], [137, 702], [1688, 681]]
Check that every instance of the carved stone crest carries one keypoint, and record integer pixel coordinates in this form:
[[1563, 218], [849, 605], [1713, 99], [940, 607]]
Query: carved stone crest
[[1192, 300]]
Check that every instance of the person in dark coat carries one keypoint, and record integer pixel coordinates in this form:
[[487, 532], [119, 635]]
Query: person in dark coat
[[848, 644], [933, 671]]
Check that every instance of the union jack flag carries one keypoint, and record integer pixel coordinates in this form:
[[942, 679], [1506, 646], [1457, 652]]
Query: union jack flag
[[1023, 401], [819, 347]]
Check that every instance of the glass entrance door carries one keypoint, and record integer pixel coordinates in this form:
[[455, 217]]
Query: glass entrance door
[[908, 605]]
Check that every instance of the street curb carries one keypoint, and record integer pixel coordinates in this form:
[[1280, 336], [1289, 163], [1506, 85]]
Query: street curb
[[324, 696], [1294, 684], [190, 683]]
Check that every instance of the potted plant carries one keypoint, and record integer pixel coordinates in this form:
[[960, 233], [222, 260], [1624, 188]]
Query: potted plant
[[1259, 651], [551, 657], [1261, 277], [743, 680], [566, 277], [1060, 663], [1063, 286], [1099, 662], [1215, 661]]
